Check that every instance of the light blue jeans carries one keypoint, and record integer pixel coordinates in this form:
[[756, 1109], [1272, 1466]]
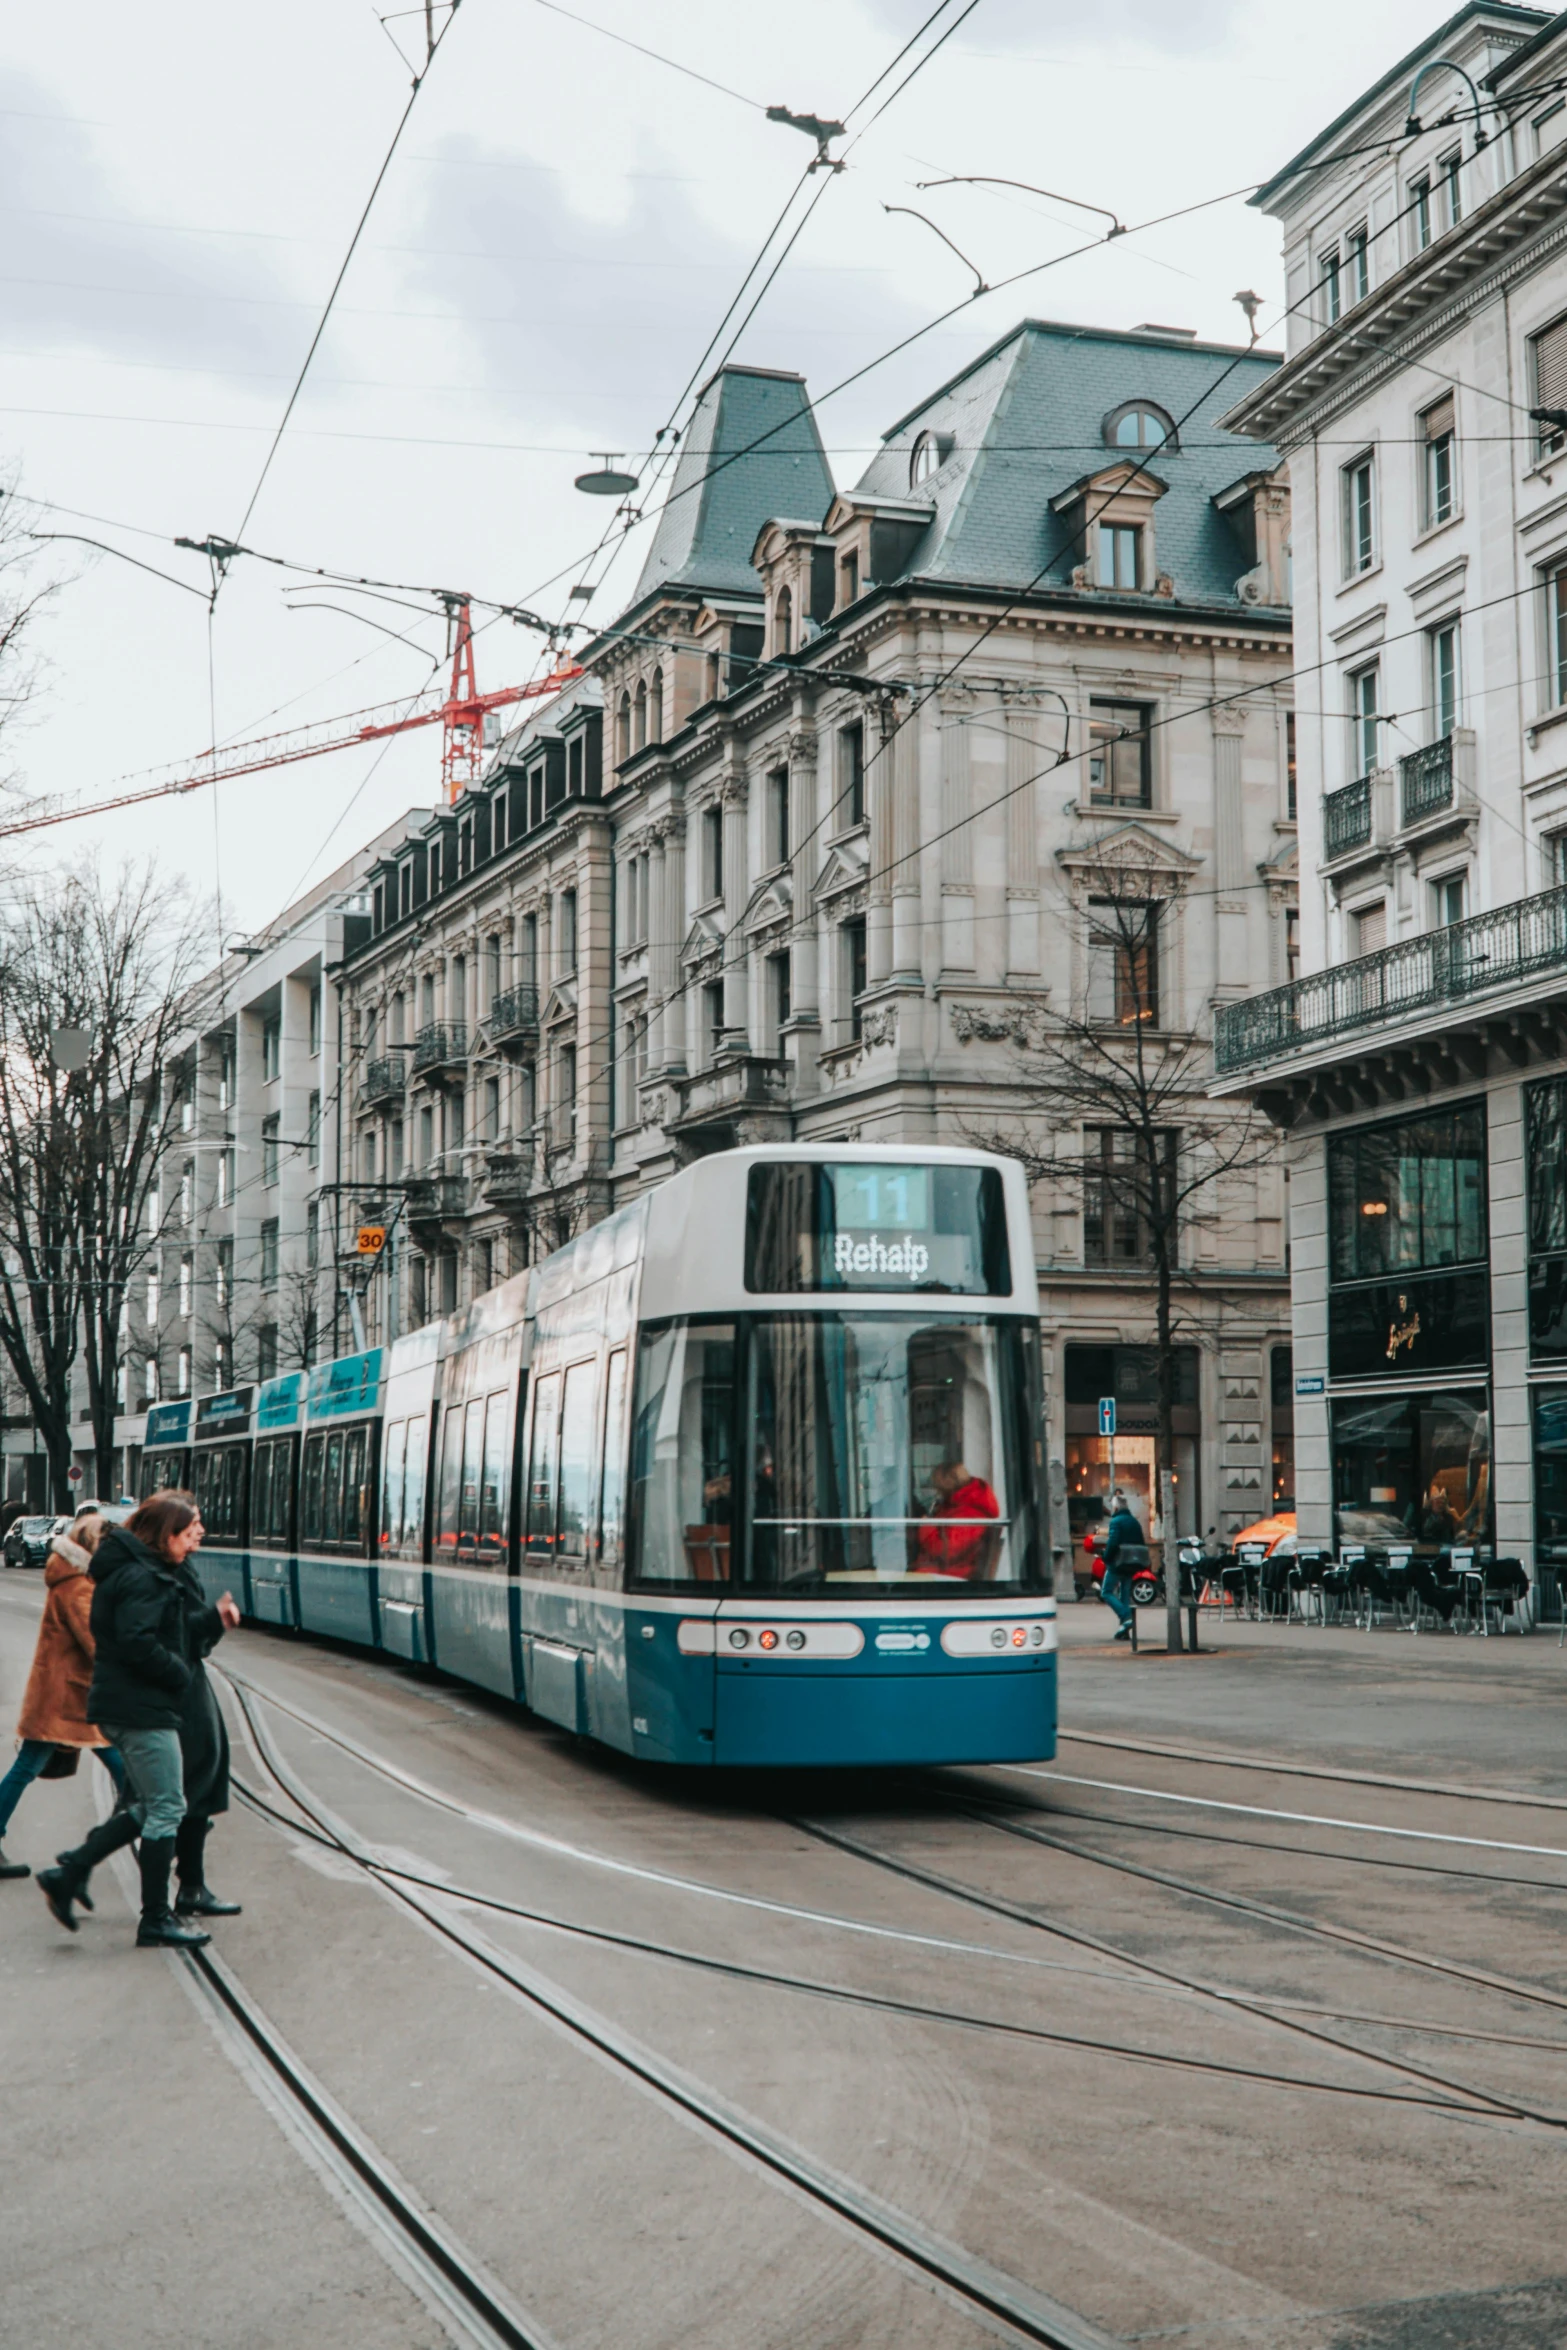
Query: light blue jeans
[[32, 1758], [155, 1776]]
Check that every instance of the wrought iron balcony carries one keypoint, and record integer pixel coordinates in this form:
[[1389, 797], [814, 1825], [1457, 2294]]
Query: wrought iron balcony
[[441, 1049], [1346, 819], [1425, 781], [1512, 945], [514, 1016], [436, 1199], [385, 1079]]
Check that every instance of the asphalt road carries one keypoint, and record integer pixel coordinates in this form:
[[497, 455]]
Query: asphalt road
[[1209, 2034]]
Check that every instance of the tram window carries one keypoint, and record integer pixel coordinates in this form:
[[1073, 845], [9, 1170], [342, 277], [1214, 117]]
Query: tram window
[[492, 1494], [612, 1506], [543, 1465], [867, 1226], [472, 1461], [578, 1422], [393, 1453], [332, 1491], [413, 1483], [269, 1492], [354, 1488], [682, 1454], [310, 1493], [163, 1471], [450, 1489]]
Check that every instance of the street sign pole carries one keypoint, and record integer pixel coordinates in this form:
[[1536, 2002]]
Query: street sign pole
[[1107, 1428]]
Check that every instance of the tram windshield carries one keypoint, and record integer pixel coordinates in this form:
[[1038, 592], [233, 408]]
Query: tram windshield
[[809, 1453]]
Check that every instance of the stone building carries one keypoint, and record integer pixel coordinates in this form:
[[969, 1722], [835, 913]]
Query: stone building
[[863, 755], [1419, 1063]]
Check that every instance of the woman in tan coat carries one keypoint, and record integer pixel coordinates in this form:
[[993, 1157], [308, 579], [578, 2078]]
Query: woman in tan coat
[[54, 1704]]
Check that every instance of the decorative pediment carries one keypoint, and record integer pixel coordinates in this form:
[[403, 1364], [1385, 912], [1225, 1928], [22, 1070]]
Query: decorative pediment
[[1130, 853], [846, 865], [771, 906], [703, 941], [562, 1002]]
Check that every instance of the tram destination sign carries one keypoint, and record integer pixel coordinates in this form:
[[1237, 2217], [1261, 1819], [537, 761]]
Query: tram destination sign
[[863, 1225]]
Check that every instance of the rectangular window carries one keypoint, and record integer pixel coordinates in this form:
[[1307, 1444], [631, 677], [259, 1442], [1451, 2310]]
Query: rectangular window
[[312, 1234], [712, 853], [492, 1108], [269, 1253], [1555, 583], [1420, 214], [493, 1482], [1292, 942], [568, 1094], [1440, 499], [1357, 263], [315, 1022], [612, 1501], [269, 1148], [1364, 689], [880, 1227], [367, 1154], [713, 1018], [1128, 1182], [313, 1131], [544, 1464], [1549, 367], [566, 932], [530, 949], [1358, 492], [1371, 928], [1545, 1110], [778, 990], [1449, 180], [1120, 754], [852, 934], [266, 1351], [185, 1288], [1414, 1469], [1442, 661], [1332, 288], [225, 1077], [492, 969], [1550, 128], [1448, 896], [1120, 555], [426, 1135], [187, 1191], [849, 577], [1123, 964], [223, 1276], [1408, 1245], [578, 1431], [682, 1454], [778, 816], [271, 1049], [1289, 765], [851, 774]]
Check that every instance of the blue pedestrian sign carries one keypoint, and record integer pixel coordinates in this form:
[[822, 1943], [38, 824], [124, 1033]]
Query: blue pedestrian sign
[[1107, 1415]]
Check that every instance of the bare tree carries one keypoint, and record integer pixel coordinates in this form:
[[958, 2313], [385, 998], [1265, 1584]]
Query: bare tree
[[91, 1019], [24, 589], [298, 1321], [1113, 1107]]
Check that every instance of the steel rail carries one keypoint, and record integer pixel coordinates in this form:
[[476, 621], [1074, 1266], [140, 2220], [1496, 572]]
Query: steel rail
[[1213, 1758], [1019, 2311]]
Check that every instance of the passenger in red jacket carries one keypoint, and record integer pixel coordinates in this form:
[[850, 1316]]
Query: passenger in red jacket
[[954, 1547]]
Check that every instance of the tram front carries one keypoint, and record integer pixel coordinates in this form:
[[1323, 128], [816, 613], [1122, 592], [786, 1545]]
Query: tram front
[[837, 1548]]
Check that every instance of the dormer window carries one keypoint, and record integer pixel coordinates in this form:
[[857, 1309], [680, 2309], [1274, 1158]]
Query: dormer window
[[1120, 555], [1139, 425], [783, 623], [928, 455]]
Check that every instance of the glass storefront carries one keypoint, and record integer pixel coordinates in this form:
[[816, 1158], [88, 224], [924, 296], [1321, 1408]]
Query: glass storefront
[[1414, 1468], [1550, 1495], [1131, 1375], [1545, 1109], [1409, 1287], [1281, 1415]]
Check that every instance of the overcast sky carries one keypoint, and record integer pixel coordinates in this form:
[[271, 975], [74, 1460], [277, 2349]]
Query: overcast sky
[[562, 229]]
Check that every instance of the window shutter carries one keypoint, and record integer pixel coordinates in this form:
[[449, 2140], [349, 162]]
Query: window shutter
[[1550, 366], [1438, 421]]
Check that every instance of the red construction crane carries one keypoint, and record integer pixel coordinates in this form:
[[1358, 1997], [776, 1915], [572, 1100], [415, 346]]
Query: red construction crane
[[461, 714]]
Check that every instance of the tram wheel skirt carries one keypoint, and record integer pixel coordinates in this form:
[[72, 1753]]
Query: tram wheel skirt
[[789, 1718]]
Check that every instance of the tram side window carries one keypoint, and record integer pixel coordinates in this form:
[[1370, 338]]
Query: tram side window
[[682, 1454], [472, 1462], [161, 1470], [449, 1489], [393, 1454], [612, 1506], [310, 1494], [269, 1496], [492, 1491], [413, 1484], [354, 1494], [220, 1490], [578, 1426], [544, 1464], [332, 1491]]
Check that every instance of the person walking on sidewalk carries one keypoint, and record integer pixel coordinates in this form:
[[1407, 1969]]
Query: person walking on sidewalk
[[150, 1628], [54, 1703], [1122, 1534]]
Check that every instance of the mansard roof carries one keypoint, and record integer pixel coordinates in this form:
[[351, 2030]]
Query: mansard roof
[[1027, 420], [751, 451]]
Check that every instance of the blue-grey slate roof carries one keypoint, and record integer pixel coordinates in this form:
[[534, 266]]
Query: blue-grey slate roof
[[1027, 421], [751, 451]]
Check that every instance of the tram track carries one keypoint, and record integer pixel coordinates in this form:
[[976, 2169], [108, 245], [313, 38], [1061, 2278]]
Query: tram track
[[1216, 1758], [1452, 2097], [1018, 2312]]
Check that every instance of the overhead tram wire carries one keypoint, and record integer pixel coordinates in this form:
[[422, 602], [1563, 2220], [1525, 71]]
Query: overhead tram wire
[[419, 80]]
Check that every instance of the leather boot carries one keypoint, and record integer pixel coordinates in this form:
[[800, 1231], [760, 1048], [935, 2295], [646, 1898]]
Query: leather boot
[[66, 1882], [13, 1868], [194, 1899], [159, 1929]]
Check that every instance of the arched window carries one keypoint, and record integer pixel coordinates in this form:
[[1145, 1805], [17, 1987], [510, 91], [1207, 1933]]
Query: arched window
[[783, 622], [928, 455], [623, 729], [639, 730], [656, 708], [1140, 425]]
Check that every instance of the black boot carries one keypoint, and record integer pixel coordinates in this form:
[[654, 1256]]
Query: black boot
[[194, 1900], [66, 1882], [159, 1930], [13, 1868]]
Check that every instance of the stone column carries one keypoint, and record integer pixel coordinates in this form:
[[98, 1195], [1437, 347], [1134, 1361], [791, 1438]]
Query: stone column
[[1024, 761], [906, 835], [737, 971], [805, 852], [1229, 842], [957, 843], [879, 788], [660, 952]]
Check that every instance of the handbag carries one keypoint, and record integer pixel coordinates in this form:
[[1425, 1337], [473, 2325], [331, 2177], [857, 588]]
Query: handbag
[[62, 1763]]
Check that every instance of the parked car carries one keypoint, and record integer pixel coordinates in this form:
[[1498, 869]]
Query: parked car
[[1278, 1532], [27, 1542]]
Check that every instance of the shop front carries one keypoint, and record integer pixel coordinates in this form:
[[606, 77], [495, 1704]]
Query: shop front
[[1096, 1464], [1409, 1332]]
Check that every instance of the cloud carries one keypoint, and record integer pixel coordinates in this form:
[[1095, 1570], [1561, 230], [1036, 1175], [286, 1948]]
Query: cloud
[[83, 274]]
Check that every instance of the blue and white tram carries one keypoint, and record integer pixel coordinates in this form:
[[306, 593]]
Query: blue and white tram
[[748, 1474]]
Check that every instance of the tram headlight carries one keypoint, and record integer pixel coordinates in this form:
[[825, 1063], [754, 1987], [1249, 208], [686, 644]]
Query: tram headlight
[[998, 1638], [1037, 1636], [794, 1639], [739, 1638], [1019, 1637]]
